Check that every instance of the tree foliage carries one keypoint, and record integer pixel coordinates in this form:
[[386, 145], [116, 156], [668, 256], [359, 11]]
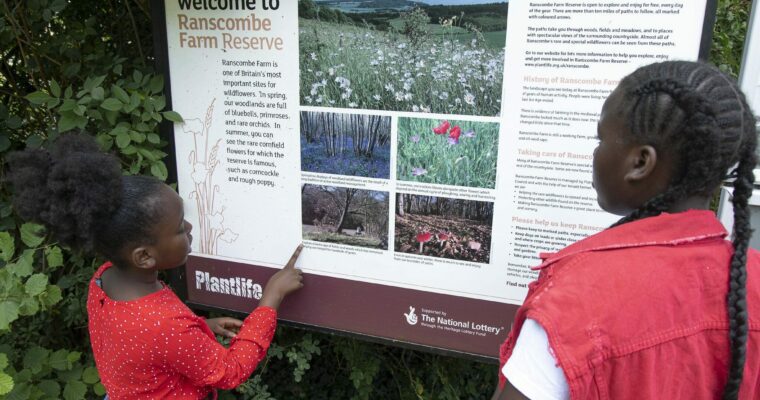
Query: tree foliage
[[88, 65], [729, 33]]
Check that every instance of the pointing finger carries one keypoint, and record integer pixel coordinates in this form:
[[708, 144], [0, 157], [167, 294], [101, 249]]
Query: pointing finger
[[292, 262]]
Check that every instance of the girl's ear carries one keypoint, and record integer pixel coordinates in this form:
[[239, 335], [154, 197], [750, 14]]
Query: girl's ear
[[642, 162], [142, 257]]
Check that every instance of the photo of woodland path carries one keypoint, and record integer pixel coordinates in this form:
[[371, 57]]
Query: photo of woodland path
[[348, 216], [346, 144], [444, 227], [449, 152], [403, 55]]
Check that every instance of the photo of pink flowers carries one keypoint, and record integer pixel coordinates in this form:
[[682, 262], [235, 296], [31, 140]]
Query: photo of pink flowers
[[448, 152], [444, 227], [343, 215]]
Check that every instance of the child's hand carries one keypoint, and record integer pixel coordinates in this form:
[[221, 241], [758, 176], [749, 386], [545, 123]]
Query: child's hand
[[284, 282], [224, 326]]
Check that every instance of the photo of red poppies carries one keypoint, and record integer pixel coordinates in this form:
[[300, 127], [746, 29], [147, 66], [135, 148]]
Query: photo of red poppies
[[443, 227], [447, 152]]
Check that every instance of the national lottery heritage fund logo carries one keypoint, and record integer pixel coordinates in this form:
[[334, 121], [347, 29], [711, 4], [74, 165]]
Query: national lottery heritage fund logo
[[440, 320], [235, 286], [411, 317]]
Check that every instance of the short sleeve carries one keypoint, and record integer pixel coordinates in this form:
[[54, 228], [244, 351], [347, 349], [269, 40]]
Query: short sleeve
[[532, 368]]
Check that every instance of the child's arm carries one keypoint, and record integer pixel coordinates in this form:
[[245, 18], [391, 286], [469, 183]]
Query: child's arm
[[532, 371], [286, 281], [224, 326], [189, 350], [186, 348]]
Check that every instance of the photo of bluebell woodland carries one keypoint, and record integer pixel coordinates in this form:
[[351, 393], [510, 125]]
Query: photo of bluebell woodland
[[346, 144]]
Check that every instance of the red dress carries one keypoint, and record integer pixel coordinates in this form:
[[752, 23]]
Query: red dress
[[154, 347]]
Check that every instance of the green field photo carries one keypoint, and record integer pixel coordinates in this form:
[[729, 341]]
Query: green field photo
[[448, 152]]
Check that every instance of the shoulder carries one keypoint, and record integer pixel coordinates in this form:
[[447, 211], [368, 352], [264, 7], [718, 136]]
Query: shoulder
[[153, 310], [626, 268], [166, 304]]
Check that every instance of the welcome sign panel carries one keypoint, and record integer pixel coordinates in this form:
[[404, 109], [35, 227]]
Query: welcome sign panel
[[423, 152]]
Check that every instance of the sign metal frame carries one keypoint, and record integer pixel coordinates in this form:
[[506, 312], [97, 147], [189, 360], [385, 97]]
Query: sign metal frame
[[178, 277]]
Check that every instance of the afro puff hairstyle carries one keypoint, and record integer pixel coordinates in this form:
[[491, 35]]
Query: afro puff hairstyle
[[81, 196]]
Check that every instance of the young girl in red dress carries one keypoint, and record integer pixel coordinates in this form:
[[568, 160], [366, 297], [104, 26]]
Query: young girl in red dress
[[660, 305], [147, 344]]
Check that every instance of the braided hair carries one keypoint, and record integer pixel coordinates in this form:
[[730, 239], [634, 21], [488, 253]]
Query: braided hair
[[81, 196], [700, 112]]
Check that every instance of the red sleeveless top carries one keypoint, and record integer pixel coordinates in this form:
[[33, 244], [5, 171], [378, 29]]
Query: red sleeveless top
[[639, 311]]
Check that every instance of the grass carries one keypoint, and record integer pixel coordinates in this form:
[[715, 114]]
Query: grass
[[330, 237], [353, 67], [493, 39], [426, 157]]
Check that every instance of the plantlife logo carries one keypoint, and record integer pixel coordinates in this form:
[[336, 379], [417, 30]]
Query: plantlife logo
[[235, 286], [411, 317]]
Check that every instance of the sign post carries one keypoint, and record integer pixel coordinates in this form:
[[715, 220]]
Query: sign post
[[424, 156]]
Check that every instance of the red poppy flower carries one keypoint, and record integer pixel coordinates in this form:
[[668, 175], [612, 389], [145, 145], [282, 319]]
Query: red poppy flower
[[442, 128], [455, 132]]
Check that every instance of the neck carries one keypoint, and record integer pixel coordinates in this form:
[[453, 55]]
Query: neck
[[138, 275], [691, 203]]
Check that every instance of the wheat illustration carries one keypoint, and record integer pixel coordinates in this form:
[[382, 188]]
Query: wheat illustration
[[204, 161]]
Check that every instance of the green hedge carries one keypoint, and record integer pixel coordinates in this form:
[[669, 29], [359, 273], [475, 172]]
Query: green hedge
[[87, 64]]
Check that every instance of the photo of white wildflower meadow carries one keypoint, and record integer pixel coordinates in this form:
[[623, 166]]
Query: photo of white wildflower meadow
[[447, 152], [439, 56]]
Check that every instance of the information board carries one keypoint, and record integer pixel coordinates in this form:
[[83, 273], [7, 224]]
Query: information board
[[425, 155]]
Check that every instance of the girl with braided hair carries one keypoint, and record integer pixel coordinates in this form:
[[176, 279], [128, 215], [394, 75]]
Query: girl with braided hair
[[660, 305], [147, 344]]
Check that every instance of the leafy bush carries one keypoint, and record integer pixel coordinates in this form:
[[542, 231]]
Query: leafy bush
[[728, 35], [86, 64]]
